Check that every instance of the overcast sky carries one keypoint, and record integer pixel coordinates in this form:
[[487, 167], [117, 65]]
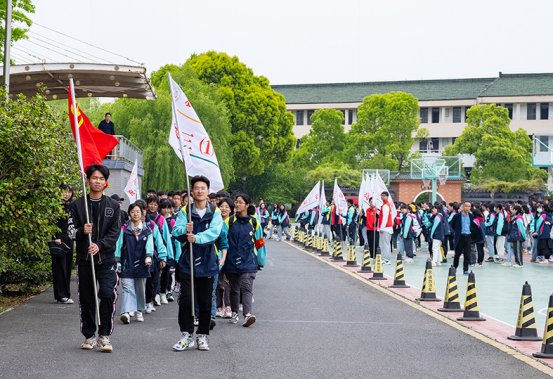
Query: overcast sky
[[322, 41]]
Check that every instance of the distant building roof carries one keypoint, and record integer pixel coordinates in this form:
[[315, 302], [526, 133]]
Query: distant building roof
[[424, 90]]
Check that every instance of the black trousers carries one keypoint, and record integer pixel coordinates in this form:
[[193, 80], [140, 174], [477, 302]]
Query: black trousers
[[372, 241], [480, 250], [61, 275], [203, 288], [152, 284], [165, 280], [107, 293], [463, 247]]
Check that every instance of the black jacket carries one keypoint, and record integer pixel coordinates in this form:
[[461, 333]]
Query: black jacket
[[456, 225], [105, 229]]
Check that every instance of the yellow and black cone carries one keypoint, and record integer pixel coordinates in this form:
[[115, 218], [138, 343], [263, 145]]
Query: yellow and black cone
[[451, 301], [324, 251], [338, 251], [378, 273], [399, 278], [526, 323], [352, 257], [428, 292], [471, 312], [309, 240], [547, 346], [366, 267], [296, 235], [320, 244]]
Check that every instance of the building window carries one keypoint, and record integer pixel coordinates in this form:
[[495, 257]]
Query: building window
[[456, 114], [466, 110], [299, 117], [350, 116], [453, 140], [423, 145], [434, 145], [309, 114], [424, 115], [435, 115], [544, 145], [544, 111], [531, 111], [510, 109]]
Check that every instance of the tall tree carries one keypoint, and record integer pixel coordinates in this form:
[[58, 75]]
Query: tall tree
[[500, 153], [261, 126], [20, 20], [325, 142], [384, 132]]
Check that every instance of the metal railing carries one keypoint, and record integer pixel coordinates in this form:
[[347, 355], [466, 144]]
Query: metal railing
[[125, 151]]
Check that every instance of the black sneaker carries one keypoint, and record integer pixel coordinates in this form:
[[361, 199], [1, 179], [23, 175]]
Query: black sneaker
[[212, 324], [170, 297], [490, 259]]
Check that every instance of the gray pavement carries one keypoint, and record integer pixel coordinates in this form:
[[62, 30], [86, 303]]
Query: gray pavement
[[313, 321]]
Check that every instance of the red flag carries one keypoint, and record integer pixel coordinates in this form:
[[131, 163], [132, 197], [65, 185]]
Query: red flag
[[95, 144]]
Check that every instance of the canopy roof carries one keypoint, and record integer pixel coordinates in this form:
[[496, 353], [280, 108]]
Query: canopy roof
[[90, 79]]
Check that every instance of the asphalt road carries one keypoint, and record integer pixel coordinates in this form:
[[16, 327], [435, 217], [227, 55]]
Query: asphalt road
[[313, 322]]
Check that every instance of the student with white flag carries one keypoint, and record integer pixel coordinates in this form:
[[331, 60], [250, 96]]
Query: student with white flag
[[132, 189], [341, 207]]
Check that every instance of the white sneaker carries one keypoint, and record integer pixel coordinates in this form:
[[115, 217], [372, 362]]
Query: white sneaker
[[89, 343], [163, 299], [517, 266], [139, 317], [148, 309], [201, 340], [185, 342], [249, 320], [131, 314], [125, 318], [434, 264], [219, 313], [104, 344], [66, 300], [153, 309], [233, 318], [228, 312], [157, 300], [551, 259], [409, 260], [507, 264], [196, 321]]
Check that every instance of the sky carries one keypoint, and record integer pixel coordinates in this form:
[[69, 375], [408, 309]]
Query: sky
[[304, 41]]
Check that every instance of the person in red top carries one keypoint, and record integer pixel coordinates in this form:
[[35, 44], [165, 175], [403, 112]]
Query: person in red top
[[385, 228], [336, 223], [371, 215]]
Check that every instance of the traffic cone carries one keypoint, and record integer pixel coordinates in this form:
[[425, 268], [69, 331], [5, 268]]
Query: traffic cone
[[296, 235], [547, 346], [352, 257], [399, 278], [366, 267], [378, 274], [428, 292], [526, 323], [451, 301], [324, 251], [338, 252], [471, 312]]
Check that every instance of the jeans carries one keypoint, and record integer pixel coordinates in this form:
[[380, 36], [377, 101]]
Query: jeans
[[408, 245], [534, 249], [214, 300], [490, 242], [133, 295], [400, 245], [271, 228], [284, 229]]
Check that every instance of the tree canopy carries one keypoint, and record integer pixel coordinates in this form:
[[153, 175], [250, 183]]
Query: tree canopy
[[500, 153], [261, 126], [20, 16]]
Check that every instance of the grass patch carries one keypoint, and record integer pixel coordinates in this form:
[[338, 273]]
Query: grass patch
[[15, 294]]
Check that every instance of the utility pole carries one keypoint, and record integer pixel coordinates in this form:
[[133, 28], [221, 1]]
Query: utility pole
[[7, 46]]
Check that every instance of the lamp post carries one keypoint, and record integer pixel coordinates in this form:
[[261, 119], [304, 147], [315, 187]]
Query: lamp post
[[7, 43]]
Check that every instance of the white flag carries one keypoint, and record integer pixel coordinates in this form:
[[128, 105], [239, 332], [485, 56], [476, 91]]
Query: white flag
[[381, 187], [312, 200], [364, 194], [339, 200], [132, 189], [190, 141], [322, 203]]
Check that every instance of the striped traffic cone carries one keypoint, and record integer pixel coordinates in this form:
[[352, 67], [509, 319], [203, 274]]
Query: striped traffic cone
[[399, 278], [428, 292], [366, 267], [471, 312], [378, 273], [547, 346], [451, 301], [324, 251], [352, 257], [338, 252], [526, 323]]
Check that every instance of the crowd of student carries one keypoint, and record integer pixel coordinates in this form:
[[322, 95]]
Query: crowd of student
[[148, 249], [503, 232]]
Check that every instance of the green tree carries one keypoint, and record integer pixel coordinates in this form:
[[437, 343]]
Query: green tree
[[261, 126], [37, 154], [500, 153], [20, 16], [384, 132], [325, 142], [347, 177], [147, 125]]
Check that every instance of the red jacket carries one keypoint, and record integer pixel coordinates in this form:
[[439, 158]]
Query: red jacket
[[372, 219]]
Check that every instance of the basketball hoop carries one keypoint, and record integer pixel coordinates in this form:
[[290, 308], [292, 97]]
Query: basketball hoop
[[442, 177], [426, 183]]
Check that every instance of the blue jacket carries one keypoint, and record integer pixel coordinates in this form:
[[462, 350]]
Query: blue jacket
[[407, 226], [437, 231], [207, 229], [132, 251], [517, 230], [242, 256], [325, 214], [543, 226], [490, 224]]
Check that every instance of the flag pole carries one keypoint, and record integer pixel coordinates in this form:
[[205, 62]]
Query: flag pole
[[80, 155], [189, 214]]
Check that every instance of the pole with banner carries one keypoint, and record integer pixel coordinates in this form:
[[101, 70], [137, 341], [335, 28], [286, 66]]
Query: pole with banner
[[81, 165], [132, 189]]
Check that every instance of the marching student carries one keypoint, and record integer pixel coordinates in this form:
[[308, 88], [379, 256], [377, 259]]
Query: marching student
[[325, 214], [263, 214], [407, 232], [351, 222], [437, 234], [516, 236], [166, 210], [274, 220], [501, 228], [371, 216], [133, 253], [490, 232], [198, 225], [283, 222], [385, 228], [103, 231], [222, 294], [246, 252]]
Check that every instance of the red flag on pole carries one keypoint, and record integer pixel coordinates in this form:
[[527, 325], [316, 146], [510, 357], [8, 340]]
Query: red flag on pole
[[95, 144]]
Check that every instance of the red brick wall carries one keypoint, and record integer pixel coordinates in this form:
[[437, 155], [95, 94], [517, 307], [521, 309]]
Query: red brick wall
[[407, 190]]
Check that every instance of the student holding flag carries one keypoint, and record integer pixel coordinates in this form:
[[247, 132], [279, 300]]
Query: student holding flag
[[386, 228]]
